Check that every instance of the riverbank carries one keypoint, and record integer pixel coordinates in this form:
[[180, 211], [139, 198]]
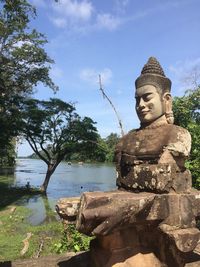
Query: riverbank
[[26, 215], [21, 240]]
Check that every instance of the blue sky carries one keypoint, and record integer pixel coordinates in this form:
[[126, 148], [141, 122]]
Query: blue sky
[[115, 38]]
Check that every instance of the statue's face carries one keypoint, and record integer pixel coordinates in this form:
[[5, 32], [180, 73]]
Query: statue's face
[[149, 105]]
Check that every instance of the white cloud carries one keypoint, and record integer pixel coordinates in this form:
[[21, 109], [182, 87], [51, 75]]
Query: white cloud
[[187, 71], [59, 22], [183, 65], [108, 21], [73, 9], [121, 5], [92, 76], [80, 16]]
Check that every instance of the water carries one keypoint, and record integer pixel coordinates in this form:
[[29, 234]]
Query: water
[[67, 181]]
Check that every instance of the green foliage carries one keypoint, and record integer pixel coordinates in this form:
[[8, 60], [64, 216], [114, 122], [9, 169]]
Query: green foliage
[[53, 129], [23, 64], [186, 112], [9, 122], [111, 141], [72, 240], [101, 151], [23, 60], [7, 154]]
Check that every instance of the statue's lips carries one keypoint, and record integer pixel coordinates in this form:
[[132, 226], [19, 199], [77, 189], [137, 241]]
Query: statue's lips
[[142, 113]]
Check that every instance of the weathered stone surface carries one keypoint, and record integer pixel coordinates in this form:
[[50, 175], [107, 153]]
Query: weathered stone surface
[[185, 239], [129, 223], [102, 213], [141, 260], [67, 208], [69, 259], [139, 165]]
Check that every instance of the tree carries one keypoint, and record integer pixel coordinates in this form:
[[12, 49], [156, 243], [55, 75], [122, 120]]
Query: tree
[[23, 60], [9, 128], [103, 151], [23, 64], [111, 141], [53, 129], [186, 112]]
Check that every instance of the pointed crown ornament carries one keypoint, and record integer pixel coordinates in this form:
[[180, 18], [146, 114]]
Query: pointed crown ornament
[[152, 73]]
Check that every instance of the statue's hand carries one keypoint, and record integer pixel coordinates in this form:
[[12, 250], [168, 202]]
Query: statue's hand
[[100, 220], [102, 213]]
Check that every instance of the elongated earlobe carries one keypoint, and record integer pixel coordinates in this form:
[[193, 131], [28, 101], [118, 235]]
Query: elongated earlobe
[[168, 108]]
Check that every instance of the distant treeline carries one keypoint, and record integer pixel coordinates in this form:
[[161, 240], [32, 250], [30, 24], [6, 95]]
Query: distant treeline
[[103, 152]]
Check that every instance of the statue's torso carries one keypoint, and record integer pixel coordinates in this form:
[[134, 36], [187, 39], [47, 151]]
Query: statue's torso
[[138, 153]]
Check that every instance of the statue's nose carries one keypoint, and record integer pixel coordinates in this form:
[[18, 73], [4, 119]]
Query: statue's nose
[[141, 103]]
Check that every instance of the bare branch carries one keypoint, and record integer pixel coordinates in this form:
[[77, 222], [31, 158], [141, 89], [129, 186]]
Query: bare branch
[[192, 78], [112, 105], [34, 147]]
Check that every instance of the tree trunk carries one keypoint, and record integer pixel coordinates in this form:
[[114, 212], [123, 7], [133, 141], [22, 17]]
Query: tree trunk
[[49, 172]]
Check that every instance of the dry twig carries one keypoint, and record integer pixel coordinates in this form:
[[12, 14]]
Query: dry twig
[[112, 105]]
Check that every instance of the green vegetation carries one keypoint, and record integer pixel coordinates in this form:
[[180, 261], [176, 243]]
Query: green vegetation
[[14, 228], [55, 129], [102, 151], [23, 64], [186, 112], [46, 239], [72, 240]]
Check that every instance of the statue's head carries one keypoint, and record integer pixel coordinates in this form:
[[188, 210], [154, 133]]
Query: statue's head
[[153, 98]]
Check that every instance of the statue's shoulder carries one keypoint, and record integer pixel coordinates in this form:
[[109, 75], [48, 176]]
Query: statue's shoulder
[[178, 131], [126, 137], [179, 140]]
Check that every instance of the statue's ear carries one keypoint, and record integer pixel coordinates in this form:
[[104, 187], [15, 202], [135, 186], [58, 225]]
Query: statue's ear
[[167, 98]]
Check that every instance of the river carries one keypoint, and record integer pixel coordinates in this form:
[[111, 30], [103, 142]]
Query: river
[[67, 181]]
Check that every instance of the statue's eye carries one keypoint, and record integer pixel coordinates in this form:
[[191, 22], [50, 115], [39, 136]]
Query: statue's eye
[[147, 97]]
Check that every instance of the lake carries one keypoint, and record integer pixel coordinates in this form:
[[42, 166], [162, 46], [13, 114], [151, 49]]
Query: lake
[[67, 181]]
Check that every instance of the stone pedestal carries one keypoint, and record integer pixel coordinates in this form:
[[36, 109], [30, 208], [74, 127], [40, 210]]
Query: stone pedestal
[[137, 229]]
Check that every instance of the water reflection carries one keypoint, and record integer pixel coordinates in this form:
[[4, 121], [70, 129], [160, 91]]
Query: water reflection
[[43, 209], [67, 181]]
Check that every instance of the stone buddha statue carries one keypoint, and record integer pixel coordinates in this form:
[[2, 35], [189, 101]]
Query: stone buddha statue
[[152, 157], [150, 220]]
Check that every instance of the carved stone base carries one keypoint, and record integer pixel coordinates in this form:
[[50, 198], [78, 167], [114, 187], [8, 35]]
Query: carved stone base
[[122, 249], [130, 228], [139, 247]]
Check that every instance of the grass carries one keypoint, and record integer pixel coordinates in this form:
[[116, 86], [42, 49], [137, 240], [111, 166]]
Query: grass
[[14, 228], [47, 238]]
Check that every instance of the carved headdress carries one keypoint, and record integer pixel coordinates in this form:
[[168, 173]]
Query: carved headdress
[[152, 73]]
